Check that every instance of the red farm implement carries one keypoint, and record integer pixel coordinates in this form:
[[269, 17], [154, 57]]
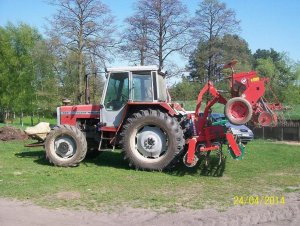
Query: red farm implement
[[247, 103]]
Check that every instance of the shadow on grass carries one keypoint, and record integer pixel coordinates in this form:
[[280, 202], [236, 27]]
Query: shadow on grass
[[111, 159], [38, 156], [115, 160], [108, 159], [213, 169]]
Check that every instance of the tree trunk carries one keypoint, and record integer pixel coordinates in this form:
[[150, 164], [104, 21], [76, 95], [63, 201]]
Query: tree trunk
[[161, 39], [31, 118], [21, 119], [80, 69], [142, 58], [80, 58], [210, 58], [209, 71], [95, 81]]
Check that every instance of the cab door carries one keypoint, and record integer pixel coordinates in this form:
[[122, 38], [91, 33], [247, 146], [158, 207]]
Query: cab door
[[116, 95]]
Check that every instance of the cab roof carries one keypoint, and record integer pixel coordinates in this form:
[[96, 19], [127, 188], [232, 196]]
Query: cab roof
[[135, 68]]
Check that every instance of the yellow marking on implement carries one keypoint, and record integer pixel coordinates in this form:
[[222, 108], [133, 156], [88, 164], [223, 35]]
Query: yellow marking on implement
[[255, 79]]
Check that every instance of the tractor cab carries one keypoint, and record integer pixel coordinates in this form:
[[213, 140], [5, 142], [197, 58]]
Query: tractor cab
[[136, 84]]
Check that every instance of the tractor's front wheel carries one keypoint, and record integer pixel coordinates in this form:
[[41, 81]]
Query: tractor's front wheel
[[65, 146], [152, 140]]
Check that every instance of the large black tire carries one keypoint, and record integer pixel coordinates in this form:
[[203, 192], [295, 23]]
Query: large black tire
[[152, 140], [65, 146], [238, 111]]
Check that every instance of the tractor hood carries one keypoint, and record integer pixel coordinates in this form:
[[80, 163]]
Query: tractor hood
[[69, 114]]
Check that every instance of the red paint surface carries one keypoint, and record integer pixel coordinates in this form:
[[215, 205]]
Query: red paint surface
[[239, 110], [70, 114]]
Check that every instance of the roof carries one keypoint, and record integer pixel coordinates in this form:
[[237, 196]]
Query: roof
[[133, 68], [137, 68]]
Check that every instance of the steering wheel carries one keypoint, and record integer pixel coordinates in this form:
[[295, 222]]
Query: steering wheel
[[114, 104]]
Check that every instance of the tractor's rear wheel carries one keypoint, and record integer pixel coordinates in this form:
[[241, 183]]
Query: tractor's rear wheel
[[65, 146], [238, 110], [152, 140]]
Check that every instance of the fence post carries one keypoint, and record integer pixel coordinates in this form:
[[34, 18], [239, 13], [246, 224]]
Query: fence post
[[263, 132], [299, 133], [281, 134]]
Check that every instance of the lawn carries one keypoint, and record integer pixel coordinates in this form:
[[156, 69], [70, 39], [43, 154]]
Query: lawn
[[107, 183], [27, 122]]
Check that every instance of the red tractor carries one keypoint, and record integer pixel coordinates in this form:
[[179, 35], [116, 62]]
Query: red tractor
[[136, 115]]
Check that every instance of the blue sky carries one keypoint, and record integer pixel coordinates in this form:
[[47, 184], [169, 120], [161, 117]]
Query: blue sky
[[264, 23]]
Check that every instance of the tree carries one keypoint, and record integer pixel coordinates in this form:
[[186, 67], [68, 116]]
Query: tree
[[83, 27], [235, 47], [212, 21], [291, 94], [225, 49], [136, 45], [297, 73], [265, 54], [185, 90], [23, 69], [278, 67], [45, 81], [162, 29], [266, 67], [17, 75], [281, 62]]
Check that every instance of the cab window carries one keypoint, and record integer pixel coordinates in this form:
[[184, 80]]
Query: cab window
[[162, 96], [117, 92], [142, 86]]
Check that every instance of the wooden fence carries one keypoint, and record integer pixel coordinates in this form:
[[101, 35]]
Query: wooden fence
[[286, 130]]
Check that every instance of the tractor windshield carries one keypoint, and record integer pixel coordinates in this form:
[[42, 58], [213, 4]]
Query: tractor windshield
[[117, 92]]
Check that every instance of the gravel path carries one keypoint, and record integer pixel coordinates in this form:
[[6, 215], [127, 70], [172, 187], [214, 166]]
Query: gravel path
[[27, 214]]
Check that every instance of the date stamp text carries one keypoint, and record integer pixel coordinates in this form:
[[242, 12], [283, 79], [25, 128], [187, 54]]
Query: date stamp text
[[258, 200]]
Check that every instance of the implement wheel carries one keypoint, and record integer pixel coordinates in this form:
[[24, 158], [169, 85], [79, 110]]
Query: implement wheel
[[238, 111], [152, 140], [65, 146], [265, 118]]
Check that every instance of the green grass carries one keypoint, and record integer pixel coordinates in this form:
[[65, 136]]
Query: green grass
[[190, 105], [292, 113], [107, 183], [27, 122]]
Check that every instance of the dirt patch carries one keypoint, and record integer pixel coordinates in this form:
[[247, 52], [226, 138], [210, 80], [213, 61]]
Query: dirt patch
[[27, 214], [67, 195], [11, 133], [288, 142]]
